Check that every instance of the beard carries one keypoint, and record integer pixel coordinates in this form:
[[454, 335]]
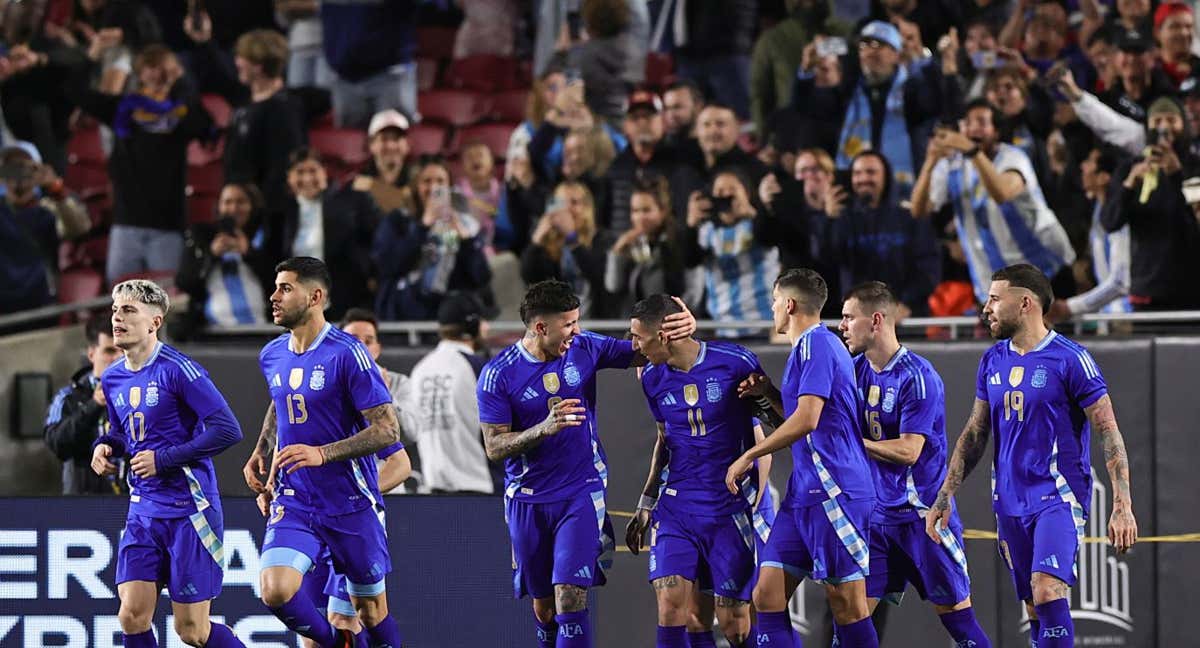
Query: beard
[[291, 319], [1004, 330]]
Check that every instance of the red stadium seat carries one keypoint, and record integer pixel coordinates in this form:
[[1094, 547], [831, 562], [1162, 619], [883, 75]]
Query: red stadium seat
[[202, 208], [452, 107], [79, 284], [87, 179], [509, 105], [426, 138], [84, 147], [494, 135], [217, 107], [659, 68], [435, 42], [201, 155], [345, 145], [427, 73], [205, 180], [482, 72]]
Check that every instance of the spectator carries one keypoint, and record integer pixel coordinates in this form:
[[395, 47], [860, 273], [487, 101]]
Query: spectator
[[270, 124], [428, 249], [712, 43], [563, 246], [78, 416], [648, 258], [587, 154], [1147, 195], [716, 149], [370, 45], [305, 38], [607, 61], [1046, 43], [794, 219], [32, 185], [570, 113], [387, 173], [980, 55], [682, 102], [449, 435], [1174, 29], [481, 189], [777, 55], [28, 236], [1012, 223], [647, 156], [328, 224], [1028, 116], [362, 324], [739, 269], [542, 96], [933, 18], [887, 107], [1110, 250], [226, 269], [1129, 15], [488, 28], [875, 238], [111, 32], [1138, 83], [1101, 52], [152, 128]]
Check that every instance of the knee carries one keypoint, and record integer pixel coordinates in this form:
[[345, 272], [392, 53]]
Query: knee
[[193, 632], [768, 597], [543, 609], [846, 607], [135, 619], [1048, 588], [276, 593], [371, 609], [570, 598]]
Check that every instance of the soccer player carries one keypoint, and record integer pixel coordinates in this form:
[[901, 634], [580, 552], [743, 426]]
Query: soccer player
[[167, 415], [536, 405], [821, 530], [904, 416], [331, 412], [1039, 394], [702, 533]]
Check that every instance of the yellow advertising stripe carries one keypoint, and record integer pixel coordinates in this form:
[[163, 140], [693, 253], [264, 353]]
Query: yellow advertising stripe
[[980, 534]]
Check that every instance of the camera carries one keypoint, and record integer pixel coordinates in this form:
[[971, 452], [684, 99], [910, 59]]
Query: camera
[[985, 60], [226, 225], [720, 205], [832, 46]]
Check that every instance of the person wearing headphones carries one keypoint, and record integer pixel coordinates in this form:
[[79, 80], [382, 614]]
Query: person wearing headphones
[[448, 433]]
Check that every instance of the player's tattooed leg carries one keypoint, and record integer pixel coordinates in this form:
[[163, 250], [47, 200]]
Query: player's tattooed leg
[[570, 598]]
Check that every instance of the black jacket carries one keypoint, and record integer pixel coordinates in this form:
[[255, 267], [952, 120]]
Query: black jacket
[[198, 262], [716, 29], [348, 219], [258, 141], [73, 423], [627, 169]]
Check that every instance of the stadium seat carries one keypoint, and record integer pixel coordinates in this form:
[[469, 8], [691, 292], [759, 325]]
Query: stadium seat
[[483, 72], [509, 105], [494, 135], [452, 107], [347, 146], [426, 138], [659, 68], [435, 42], [78, 284], [202, 208], [205, 180], [427, 73], [92, 252], [87, 179], [217, 107], [201, 155], [85, 147]]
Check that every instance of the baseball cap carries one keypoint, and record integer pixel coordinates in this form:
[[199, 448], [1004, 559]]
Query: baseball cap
[[25, 147], [387, 119], [462, 308], [1132, 40], [884, 32], [644, 99]]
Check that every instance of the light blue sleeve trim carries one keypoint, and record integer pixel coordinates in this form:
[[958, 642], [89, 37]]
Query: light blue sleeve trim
[[790, 569], [341, 606], [369, 589], [286, 557]]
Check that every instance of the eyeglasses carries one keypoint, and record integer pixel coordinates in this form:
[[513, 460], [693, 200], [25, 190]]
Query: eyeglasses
[[870, 43]]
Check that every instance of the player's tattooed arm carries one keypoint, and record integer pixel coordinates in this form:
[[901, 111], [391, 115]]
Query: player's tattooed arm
[[1122, 526], [967, 453], [382, 431], [501, 442], [266, 436], [257, 464]]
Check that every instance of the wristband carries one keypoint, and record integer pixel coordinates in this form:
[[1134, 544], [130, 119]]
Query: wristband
[[647, 502], [970, 154]]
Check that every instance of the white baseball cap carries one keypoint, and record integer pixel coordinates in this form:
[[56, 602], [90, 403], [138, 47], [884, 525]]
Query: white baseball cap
[[387, 119]]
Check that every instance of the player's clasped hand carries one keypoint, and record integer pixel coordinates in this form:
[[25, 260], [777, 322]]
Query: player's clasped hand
[[142, 464], [939, 513], [297, 456], [251, 471], [100, 463], [753, 386], [264, 503], [733, 476], [565, 413], [1122, 529], [635, 531]]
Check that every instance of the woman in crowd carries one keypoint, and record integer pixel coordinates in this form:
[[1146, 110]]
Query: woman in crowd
[[647, 259], [562, 245]]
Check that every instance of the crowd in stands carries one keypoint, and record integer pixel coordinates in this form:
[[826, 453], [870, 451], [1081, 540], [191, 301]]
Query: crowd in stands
[[628, 147]]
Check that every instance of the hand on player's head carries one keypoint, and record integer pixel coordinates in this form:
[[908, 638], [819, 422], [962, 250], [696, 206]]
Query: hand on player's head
[[753, 386]]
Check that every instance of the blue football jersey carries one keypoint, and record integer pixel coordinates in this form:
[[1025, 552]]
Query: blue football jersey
[[707, 427], [319, 396], [1041, 433], [163, 405], [906, 397], [831, 460], [516, 389]]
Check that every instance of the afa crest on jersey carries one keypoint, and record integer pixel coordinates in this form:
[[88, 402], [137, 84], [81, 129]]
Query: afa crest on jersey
[[1039, 378], [889, 400], [152, 394], [691, 394], [550, 382], [316, 380], [712, 390], [571, 375]]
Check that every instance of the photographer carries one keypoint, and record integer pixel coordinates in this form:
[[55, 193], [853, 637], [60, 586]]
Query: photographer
[[873, 238], [739, 269], [225, 268], [1147, 194], [428, 249], [564, 247]]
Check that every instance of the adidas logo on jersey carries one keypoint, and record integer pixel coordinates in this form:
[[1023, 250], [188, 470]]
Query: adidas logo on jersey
[[529, 394], [995, 379], [729, 586], [1051, 562], [584, 572], [276, 382], [669, 400]]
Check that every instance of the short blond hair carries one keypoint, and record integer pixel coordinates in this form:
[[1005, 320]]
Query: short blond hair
[[264, 47], [144, 291]]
